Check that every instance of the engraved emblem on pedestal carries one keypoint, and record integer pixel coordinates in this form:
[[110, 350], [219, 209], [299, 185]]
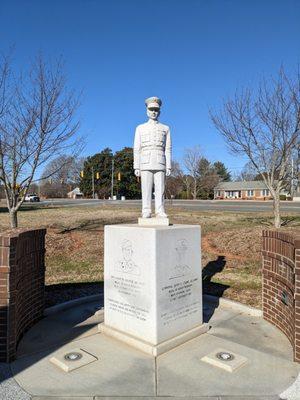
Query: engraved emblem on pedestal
[[126, 265], [181, 268]]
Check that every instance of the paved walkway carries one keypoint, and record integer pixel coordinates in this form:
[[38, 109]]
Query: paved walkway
[[121, 371]]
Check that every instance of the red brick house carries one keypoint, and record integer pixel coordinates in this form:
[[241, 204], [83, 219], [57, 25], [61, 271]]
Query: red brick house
[[248, 190]]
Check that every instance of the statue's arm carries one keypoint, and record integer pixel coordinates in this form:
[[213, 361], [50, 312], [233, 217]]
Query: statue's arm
[[136, 150], [168, 152]]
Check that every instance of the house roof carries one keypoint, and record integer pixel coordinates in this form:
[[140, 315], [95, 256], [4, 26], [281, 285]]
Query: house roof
[[241, 185], [75, 191]]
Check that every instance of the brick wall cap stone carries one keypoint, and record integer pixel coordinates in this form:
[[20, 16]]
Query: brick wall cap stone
[[11, 235]]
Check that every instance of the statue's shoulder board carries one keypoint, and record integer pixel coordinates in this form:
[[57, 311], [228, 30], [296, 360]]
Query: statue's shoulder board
[[164, 127]]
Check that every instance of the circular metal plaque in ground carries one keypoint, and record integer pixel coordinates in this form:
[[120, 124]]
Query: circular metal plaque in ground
[[224, 356], [74, 356]]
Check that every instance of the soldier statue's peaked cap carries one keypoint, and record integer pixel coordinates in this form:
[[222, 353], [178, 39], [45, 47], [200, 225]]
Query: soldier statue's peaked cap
[[154, 102]]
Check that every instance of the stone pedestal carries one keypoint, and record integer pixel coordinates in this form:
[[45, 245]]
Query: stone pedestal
[[153, 285]]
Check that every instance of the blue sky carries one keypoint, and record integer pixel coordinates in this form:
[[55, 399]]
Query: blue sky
[[190, 53]]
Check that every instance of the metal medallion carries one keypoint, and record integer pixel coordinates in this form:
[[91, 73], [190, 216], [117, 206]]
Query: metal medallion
[[224, 356], [73, 356]]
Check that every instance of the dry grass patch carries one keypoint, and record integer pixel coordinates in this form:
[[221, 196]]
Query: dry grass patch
[[230, 246]]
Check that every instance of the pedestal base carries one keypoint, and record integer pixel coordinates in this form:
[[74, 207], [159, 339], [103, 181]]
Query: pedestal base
[[146, 347], [154, 221]]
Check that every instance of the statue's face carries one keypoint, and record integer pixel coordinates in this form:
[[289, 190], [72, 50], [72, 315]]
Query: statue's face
[[153, 113], [127, 253]]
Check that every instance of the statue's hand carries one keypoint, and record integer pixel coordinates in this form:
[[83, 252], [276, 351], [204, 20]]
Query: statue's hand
[[168, 172], [137, 172]]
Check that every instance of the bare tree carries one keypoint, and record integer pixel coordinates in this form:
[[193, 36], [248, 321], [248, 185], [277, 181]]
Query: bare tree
[[294, 177], [248, 173], [64, 172], [297, 170], [37, 123], [187, 184], [191, 160], [264, 126], [174, 182], [64, 168]]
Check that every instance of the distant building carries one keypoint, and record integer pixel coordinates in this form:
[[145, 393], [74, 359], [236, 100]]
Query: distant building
[[247, 190], [75, 194]]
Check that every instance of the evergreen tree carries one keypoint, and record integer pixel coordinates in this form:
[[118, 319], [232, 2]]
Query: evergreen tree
[[126, 183], [100, 163], [222, 171], [207, 178]]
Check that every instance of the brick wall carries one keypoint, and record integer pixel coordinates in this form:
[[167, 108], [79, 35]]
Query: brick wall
[[281, 284], [297, 299], [22, 278]]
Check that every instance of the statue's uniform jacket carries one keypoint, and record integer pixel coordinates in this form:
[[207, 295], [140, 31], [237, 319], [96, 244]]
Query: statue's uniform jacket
[[152, 156], [152, 147]]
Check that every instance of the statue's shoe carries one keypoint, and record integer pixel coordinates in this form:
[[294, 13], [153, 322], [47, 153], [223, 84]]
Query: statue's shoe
[[146, 215], [161, 215]]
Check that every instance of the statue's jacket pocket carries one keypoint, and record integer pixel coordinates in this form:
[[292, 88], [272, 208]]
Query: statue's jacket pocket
[[145, 157], [161, 158]]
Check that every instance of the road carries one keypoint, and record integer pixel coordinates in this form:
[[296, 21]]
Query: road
[[205, 205]]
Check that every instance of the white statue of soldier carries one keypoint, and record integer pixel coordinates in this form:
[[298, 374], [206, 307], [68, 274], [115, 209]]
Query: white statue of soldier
[[152, 158]]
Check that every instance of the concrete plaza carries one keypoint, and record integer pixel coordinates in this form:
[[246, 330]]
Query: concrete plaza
[[120, 371]]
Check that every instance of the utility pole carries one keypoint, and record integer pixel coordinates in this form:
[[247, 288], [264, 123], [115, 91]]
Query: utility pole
[[93, 183], [112, 178]]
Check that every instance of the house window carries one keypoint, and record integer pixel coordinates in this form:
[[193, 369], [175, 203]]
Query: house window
[[265, 192], [232, 194], [229, 193], [250, 193], [219, 193]]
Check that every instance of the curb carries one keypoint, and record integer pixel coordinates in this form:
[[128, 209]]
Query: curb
[[226, 303], [71, 303]]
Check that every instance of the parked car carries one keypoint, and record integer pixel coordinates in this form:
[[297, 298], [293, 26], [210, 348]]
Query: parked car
[[32, 198]]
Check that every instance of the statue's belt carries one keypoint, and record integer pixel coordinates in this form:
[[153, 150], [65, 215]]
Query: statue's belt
[[153, 148]]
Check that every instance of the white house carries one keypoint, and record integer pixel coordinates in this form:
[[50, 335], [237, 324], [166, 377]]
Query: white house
[[75, 194]]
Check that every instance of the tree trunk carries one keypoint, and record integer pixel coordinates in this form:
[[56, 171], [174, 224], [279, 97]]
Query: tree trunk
[[195, 190], [13, 219], [188, 190], [276, 210]]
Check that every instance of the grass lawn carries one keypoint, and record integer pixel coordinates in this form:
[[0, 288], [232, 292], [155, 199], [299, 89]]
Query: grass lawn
[[230, 245]]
